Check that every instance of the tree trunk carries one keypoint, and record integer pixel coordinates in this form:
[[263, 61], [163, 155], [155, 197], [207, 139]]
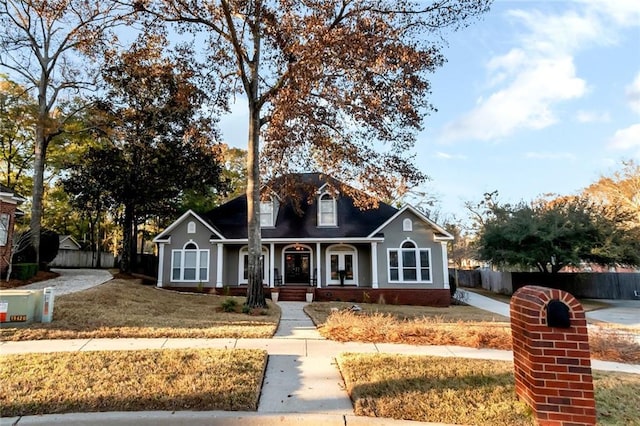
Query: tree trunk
[[255, 292], [98, 245], [40, 149], [127, 229]]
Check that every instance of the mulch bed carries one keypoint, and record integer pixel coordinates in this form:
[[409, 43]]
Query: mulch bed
[[40, 276]]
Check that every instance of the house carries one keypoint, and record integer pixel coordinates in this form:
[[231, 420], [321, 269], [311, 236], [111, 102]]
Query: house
[[324, 241], [9, 202], [67, 242]]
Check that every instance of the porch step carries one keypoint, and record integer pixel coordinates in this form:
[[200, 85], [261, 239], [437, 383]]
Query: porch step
[[292, 294]]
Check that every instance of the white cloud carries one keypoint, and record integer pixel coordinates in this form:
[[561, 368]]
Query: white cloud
[[551, 156], [526, 102], [626, 139], [445, 156], [593, 117], [538, 73], [633, 94]]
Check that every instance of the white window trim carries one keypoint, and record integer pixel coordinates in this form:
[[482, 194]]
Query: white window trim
[[191, 227], [407, 225], [243, 254], [334, 205], [271, 223], [335, 249], [416, 249], [198, 252], [5, 223]]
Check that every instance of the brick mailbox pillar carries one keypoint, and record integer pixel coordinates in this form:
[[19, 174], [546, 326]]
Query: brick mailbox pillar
[[551, 358]]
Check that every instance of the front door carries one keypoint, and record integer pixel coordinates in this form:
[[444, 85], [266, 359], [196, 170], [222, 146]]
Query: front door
[[297, 268]]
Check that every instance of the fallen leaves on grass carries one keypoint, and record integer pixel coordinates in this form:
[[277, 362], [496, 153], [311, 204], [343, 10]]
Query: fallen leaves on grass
[[344, 326], [187, 379], [347, 326], [124, 308]]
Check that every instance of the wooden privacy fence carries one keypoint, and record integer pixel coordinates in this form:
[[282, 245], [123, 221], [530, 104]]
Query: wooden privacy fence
[[82, 259], [592, 285]]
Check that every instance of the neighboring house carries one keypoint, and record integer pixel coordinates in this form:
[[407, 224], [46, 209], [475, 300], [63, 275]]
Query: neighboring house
[[67, 242], [326, 242], [9, 202]]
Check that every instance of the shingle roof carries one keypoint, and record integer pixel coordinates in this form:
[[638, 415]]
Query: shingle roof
[[230, 219]]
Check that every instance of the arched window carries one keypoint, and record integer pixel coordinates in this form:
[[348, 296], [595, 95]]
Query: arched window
[[407, 225], [191, 227], [342, 259], [327, 211], [409, 263], [190, 264], [243, 265]]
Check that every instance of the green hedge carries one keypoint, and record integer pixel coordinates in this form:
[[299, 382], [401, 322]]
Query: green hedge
[[24, 271]]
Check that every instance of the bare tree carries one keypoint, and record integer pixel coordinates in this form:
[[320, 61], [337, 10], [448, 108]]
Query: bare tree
[[337, 86], [39, 46]]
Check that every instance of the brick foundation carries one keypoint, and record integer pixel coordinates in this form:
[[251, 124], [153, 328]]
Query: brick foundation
[[552, 365], [435, 297]]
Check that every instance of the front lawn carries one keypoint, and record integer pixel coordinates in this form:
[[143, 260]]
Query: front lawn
[[186, 379], [446, 326], [126, 308], [465, 391]]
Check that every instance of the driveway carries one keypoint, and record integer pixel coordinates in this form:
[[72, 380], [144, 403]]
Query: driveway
[[72, 280], [625, 312]]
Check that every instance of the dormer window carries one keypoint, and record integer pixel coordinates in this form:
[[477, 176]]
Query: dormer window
[[266, 213], [327, 211]]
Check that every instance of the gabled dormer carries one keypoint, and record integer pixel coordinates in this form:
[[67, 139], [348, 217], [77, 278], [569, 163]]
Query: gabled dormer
[[327, 208], [269, 212]]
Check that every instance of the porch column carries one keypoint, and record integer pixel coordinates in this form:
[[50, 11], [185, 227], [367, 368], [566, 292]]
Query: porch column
[[219, 265], [160, 263], [374, 265], [272, 260], [445, 264], [318, 267]]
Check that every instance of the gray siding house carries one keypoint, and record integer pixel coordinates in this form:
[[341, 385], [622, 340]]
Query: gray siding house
[[323, 241]]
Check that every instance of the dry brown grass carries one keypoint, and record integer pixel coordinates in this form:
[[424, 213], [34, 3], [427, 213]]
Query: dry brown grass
[[464, 391], [186, 379], [345, 326], [320, 311], [126, 308], [431, 389]]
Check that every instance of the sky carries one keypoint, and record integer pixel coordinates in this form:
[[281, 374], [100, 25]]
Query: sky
[[538, 97]]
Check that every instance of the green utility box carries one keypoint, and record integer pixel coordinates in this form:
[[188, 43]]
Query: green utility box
[[26, 306]]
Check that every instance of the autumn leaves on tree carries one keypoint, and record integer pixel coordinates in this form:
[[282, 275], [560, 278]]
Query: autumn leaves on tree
[[336, 86]]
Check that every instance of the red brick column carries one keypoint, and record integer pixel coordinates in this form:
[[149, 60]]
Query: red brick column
[[552, 365]]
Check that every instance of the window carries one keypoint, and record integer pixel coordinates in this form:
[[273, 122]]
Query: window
[[243, 267], [191, 228], [342, 258], [266, 213], [327, 214], [190, 264], [4, 229], [409, 263], [407, 225]]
